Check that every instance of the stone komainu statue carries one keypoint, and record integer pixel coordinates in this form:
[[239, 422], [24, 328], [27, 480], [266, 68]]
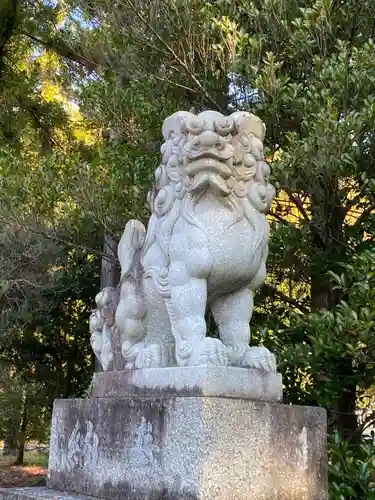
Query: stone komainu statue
[[205, 248], [102, 324]]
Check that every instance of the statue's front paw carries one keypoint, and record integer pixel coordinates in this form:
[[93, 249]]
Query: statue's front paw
[[130, 352], [260, 358], [202, 352], [153, 356]]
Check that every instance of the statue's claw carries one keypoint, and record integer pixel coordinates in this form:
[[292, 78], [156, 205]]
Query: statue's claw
[[257, 357], [153, 356], [206, 351]]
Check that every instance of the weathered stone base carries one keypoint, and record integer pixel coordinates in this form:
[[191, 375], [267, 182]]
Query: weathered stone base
[[188, 448], [38, 493], [229, 382]]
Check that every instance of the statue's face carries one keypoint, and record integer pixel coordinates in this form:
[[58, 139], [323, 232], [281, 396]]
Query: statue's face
[[216, 152], [208, 153]]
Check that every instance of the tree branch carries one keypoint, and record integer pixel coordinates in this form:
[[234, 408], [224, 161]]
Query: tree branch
[[57, 239], [176, 57], [8, 15], [298, 203], [62, 49], [272, 290], [280, 218]]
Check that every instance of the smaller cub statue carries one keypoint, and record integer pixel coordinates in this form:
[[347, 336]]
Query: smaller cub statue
[[205, 248], [102, 323]]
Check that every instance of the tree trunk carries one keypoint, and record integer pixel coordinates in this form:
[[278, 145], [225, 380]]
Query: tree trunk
[[68, 378], [327, 242], [110, 273], [345, 415], [110, 277], [59, 373], [9, 447], [23, 428], [329, 247]]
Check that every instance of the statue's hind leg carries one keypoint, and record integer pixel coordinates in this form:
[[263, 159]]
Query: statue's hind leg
[[130, 315], [144, 326], [232, 313], [159, 342]]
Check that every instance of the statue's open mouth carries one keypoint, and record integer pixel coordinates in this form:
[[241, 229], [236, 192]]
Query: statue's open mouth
[[209, 161], [209, 171]]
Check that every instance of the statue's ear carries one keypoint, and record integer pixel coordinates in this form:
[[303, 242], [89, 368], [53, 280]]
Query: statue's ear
[[174, 123], [247, 123]]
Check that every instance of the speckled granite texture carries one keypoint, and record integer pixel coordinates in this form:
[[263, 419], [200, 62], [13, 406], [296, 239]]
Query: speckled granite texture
[[230, 382], [188, 448], [38, 493]]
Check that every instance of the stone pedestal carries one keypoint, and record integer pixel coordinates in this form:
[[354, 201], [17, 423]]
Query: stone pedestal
[[198, 445], [209, 381]]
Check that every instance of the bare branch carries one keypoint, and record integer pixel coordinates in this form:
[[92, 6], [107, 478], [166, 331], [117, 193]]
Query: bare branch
[[62, 241], [298, 203], [62, 49], [272, 290], [176, 57]]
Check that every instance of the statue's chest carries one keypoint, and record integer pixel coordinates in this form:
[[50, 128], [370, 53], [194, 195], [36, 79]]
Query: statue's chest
[[235, 244], [233, 249]]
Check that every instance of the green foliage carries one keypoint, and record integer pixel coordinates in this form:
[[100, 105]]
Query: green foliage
[[10, 408], [330, 353], [351, 469], [14, 395]]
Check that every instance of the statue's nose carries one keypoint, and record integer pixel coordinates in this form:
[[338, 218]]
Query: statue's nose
[[208, 140]]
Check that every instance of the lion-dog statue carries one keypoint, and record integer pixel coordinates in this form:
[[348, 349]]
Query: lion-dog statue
[[205, 248]]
